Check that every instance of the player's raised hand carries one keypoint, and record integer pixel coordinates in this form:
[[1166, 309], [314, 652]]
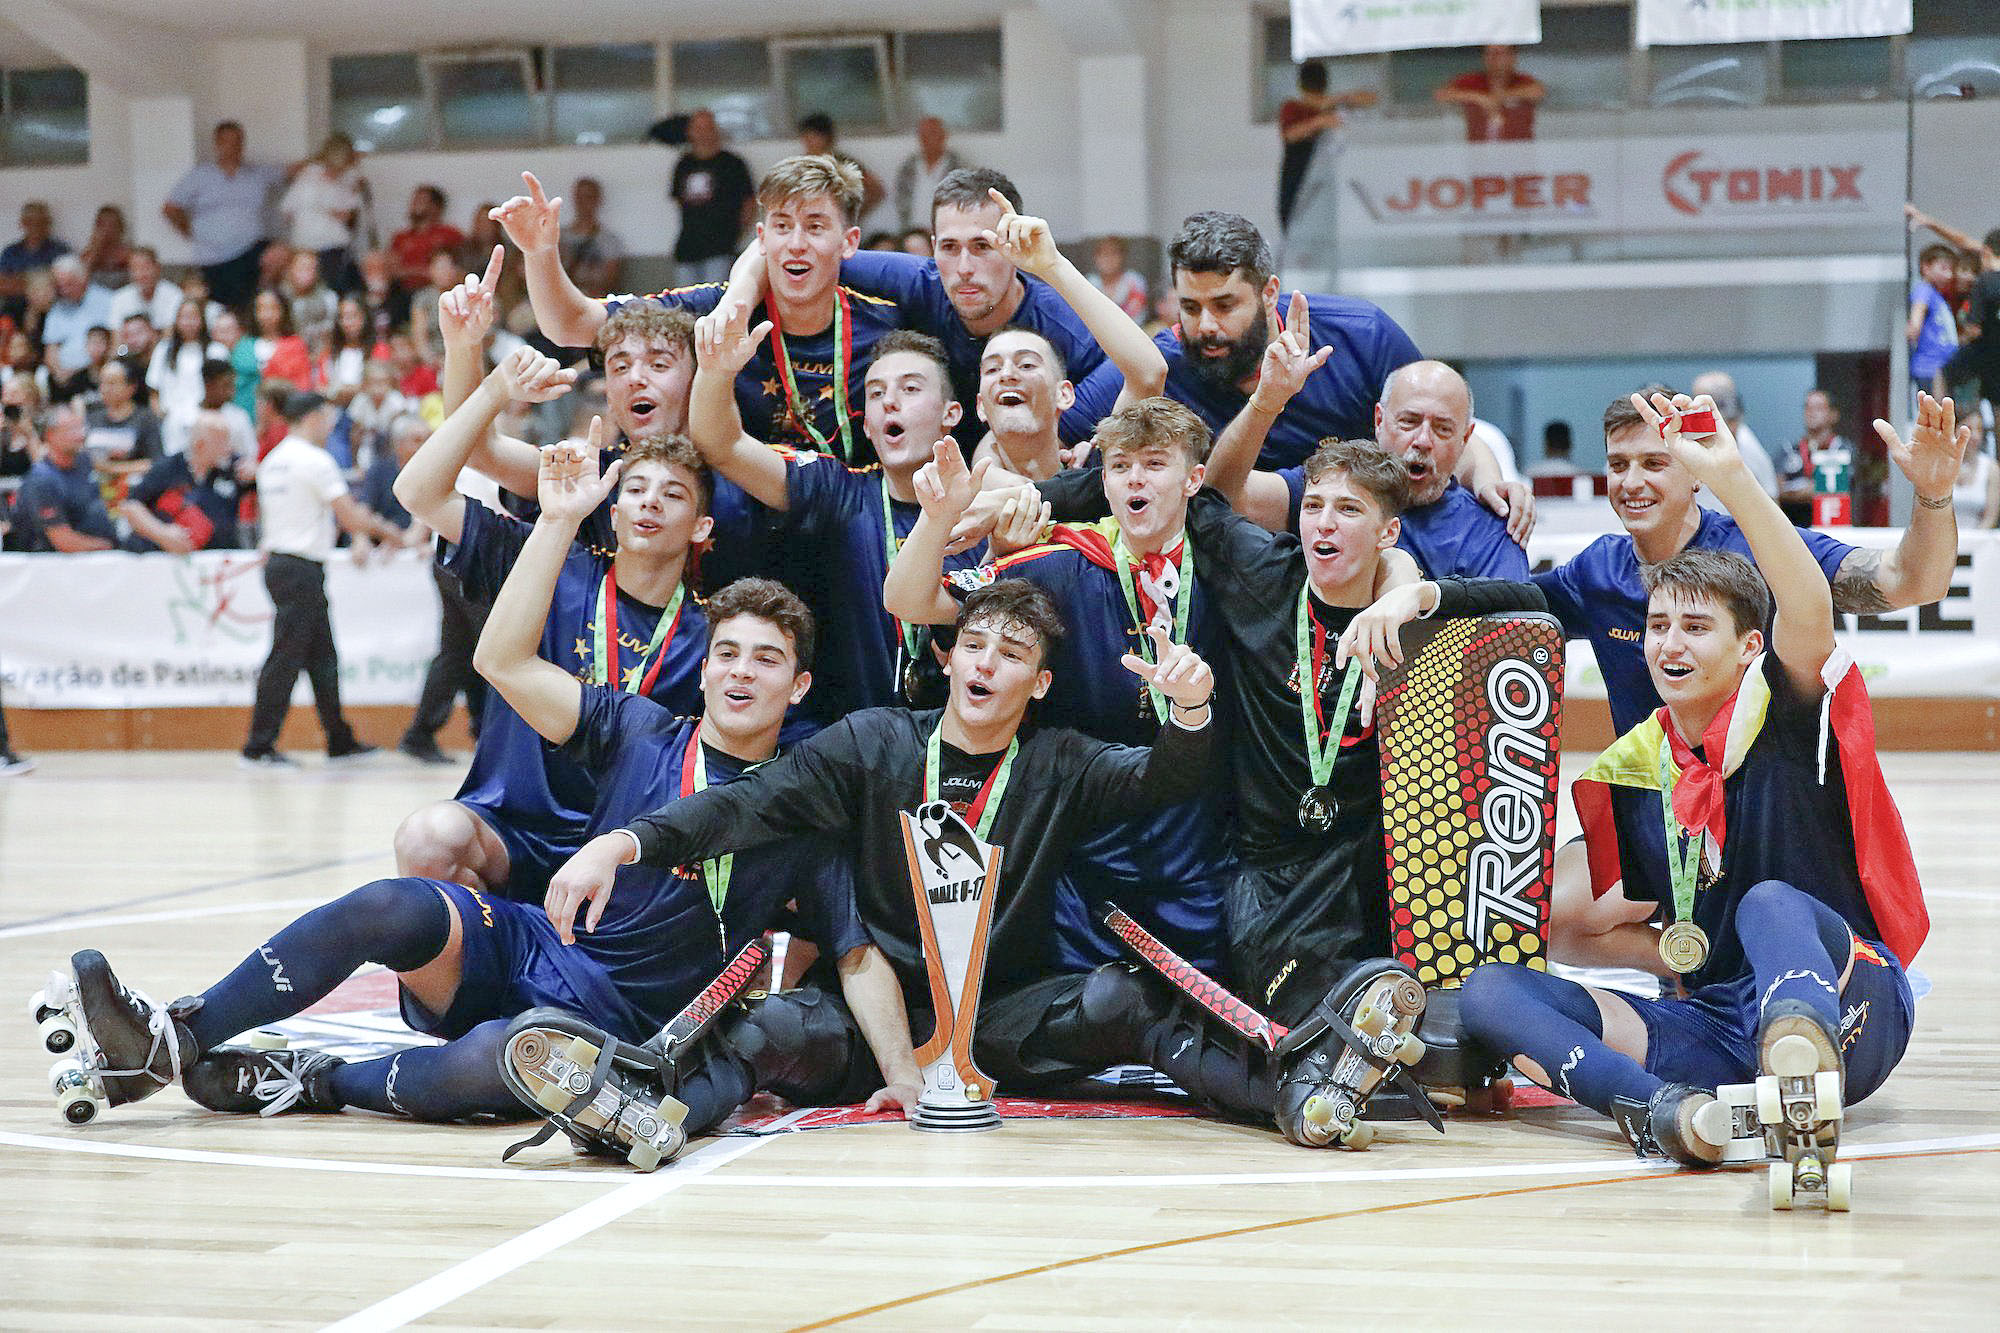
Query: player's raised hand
[[1936, 447], [1711, 455], [1024, 517], [945, 486], [586, 877], [1289, 359], [1177, 671], [976, 523], [532, 221], [567, 484], [465, 313], [1375, 635], [724, 340], [527, 376], [1026, 241]]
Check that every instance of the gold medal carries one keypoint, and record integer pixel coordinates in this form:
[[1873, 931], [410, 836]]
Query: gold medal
[[1684, 946]]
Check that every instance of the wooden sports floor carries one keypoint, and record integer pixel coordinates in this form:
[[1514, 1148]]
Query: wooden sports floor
[[161, 1214]]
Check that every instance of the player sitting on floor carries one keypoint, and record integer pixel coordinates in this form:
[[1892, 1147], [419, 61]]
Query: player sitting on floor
[[626, 621], [467, 963], [1751, 812]]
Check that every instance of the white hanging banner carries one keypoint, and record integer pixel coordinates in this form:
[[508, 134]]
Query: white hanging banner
[[1693, 22], [1350, 27]]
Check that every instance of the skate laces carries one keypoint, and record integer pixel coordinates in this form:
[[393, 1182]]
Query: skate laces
[[281, 1083], [160, 1024]]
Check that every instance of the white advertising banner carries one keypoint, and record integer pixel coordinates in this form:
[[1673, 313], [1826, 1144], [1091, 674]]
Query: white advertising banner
[[112, 630], [1656, 183], [1349, 27], [1949, 650], [1693, 22]]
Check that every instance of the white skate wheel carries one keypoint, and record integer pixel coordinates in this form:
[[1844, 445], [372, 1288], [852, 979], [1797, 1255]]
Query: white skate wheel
[[1370, 1021], [1794, 1056], [264, 1039], [60, 1071], [1778, 1183], [1770, 1102], [1358, 1136], [1714, 1124], [1410, 1050], [57, 1032], [1826, 1094], [78, 1107], [1318, 1111], [1839, 1187], [39, 1006]]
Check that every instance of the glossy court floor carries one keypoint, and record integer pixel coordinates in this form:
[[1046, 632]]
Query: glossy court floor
[[164, 1215]]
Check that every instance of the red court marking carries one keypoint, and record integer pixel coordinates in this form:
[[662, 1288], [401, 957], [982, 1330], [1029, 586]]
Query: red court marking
[[763, 1111], [365, 993]]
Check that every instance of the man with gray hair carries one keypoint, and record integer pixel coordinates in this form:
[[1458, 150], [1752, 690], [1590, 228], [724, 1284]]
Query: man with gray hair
[[1721, 386], [189, 501], [224, 209], [81, 305]]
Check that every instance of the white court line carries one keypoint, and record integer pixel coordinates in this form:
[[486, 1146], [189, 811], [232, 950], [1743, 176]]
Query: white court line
[[1330, 1175], [466, 1277], [166, 914]]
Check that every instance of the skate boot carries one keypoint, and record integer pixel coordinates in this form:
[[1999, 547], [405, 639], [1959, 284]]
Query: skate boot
[[1799, 1103], [1359, 1037], [251, 1079], [608, 1096], [1688, 1124], [125, 1046]]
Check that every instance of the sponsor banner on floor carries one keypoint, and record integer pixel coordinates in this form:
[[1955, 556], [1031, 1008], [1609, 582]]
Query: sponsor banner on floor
[[113, 630], [1694, 22], [1651, 183], [1950, 649], [1347, 27]]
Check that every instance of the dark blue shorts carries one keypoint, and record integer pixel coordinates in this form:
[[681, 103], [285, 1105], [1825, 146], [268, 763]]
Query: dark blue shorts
[[1710, 1038], [514, 961], [533, 857]]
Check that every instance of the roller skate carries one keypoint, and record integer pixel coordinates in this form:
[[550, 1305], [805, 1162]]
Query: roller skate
[[1798, 1100], [263, 1077], [1361, 1035], [1688, 1124], [607, 1095], [123, 1046]]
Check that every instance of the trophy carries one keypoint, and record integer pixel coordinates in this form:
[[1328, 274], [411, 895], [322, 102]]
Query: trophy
[[954, 876]]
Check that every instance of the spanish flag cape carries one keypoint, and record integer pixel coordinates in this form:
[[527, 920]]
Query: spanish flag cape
[[1095, 542], [1881, 847]]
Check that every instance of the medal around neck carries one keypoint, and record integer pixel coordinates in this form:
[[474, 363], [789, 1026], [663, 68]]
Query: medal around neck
[[954, 874], [1684, 946], [1318, 809]]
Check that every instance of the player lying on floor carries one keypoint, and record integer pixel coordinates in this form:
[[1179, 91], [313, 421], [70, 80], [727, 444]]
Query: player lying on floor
[[466, 962], [1029, 789], [1751, 812]]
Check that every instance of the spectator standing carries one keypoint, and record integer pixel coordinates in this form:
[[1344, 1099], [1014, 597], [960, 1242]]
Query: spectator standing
[[302, 497], [190, 501], [311, 300], [918, 176], [1975, 492], [322, 206], [1721, 386], [427, 234], [60, 507], [1110, 273], [1978, 356], [1932, 331], [593, 254], [148, 293], [107, 255], [1301, 120], [119, 428], [35, 250], [1498, 100], [817, 135], [80, 306], [1795, 477], [717, 200], [223, 207], [1557, 441]]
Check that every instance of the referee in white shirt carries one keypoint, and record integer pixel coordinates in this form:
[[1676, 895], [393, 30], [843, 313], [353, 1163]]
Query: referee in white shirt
[[301, 495]]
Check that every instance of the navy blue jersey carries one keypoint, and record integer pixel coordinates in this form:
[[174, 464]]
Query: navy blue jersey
[[918, 291], [1598, 595], [59, 497], [837, 548], [1788, 819], [1338, 399], [204, 508], [1169, 867], [516, 777], [662, 938], [768, 412], [1453, 536]]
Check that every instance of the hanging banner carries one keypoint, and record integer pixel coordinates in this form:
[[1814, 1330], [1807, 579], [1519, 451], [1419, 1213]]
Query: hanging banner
[[1351, 27], [1694, 22]]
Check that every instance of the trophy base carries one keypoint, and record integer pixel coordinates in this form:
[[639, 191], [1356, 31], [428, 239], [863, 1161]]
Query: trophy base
[[954, 1117]]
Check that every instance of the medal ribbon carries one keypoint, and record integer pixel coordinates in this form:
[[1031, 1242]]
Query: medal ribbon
[[914, 636], [984, 806], [843, 343], [715, 871], [1122, 561], [604, 633], [1322, 737], [1683, 860]]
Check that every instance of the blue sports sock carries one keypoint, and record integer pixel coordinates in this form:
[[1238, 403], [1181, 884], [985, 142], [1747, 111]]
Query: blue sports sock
[[450, 1082], [1796, 946], [1515, 1010], [399, 923]]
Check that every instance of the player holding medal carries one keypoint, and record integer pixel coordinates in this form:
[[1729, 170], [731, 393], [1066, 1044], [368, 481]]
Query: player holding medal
[[1751, 809]]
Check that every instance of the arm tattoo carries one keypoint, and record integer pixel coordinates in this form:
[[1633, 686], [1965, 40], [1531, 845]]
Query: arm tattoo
[[1857, 587]]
